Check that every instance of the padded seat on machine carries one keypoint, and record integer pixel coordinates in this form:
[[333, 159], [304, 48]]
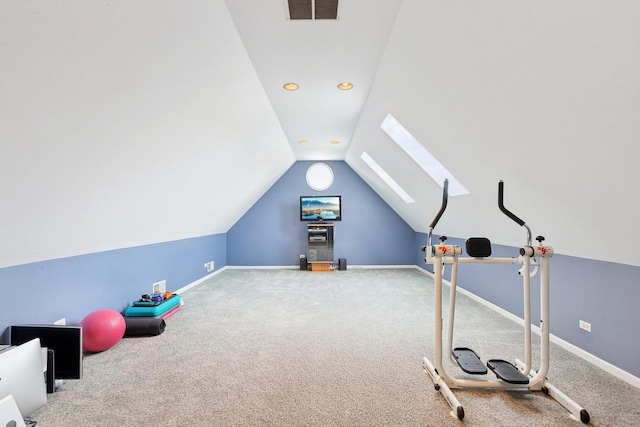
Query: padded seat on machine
[[478, 247]]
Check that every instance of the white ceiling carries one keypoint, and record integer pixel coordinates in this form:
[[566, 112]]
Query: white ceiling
[[112, 110], [317, 55]]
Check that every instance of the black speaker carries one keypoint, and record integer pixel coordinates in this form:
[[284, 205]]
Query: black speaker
[[303, 263], [342, 264]]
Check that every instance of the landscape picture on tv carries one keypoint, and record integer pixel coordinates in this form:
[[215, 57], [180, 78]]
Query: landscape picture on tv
[[320, 208]]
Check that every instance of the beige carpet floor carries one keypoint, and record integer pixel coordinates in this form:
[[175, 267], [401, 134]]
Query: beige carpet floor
[[293, 348]]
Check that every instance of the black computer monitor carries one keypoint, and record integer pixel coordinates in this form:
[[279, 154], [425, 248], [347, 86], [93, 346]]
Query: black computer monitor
[[64, 340]]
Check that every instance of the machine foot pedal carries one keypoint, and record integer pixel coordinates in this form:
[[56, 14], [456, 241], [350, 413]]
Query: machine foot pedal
[[507, 372], [469, 361]]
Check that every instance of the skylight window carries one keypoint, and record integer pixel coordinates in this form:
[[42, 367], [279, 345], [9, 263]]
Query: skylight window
[[386, 178], [421, 156]]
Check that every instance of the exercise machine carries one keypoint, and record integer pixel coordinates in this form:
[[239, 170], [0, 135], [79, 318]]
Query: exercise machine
[[520, 375]]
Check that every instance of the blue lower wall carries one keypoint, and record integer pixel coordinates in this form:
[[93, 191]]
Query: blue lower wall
[[271, 233], [43, 292], [604, 294]]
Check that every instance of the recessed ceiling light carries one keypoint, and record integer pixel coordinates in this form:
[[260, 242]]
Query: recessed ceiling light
[[291, 86], [335, 142], [345, 86], [303, 142]]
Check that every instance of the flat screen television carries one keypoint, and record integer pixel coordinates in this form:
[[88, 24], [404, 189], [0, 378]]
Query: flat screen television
[[64, 340], [21, 375], [320, 208]]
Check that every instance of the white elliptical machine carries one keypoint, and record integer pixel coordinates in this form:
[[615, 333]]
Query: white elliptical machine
[[518, 376]]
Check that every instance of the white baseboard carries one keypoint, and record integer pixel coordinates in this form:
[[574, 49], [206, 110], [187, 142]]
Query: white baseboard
[[391, 266], [199, 281], [263, 267], [297, 267], [602, 364]]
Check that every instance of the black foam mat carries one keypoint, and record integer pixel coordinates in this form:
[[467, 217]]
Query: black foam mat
[[143, 326]]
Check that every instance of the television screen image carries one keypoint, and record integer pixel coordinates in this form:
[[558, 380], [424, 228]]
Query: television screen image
[[64, 340], [320, 208]]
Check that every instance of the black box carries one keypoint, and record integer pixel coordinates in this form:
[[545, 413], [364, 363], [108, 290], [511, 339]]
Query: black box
[[342, 264], [303, 263]]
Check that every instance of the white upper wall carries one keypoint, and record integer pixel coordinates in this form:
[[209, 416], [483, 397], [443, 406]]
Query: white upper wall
[[542, 95], [127, 123]]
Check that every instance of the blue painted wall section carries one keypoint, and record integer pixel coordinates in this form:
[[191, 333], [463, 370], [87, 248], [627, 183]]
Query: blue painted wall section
[[271, 233], [43, 292], [604, 294]]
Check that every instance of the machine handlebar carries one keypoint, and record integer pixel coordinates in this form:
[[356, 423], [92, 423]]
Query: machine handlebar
[[501, 205], [507, 212], [443, 206]]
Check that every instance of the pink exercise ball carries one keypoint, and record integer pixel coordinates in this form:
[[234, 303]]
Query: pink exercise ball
[[101, 330]]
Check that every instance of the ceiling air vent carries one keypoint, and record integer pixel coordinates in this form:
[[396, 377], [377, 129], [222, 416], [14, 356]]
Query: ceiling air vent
[[313, 9]]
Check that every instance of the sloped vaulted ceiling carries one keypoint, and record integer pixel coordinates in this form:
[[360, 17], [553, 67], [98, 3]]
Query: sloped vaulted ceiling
[[543, 95], [127, 123], [131, 123], [317, 55]]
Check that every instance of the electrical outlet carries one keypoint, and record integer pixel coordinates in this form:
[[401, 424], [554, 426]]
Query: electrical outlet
[[159, 287], [62, 321], [585, 325], [209, 266]]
